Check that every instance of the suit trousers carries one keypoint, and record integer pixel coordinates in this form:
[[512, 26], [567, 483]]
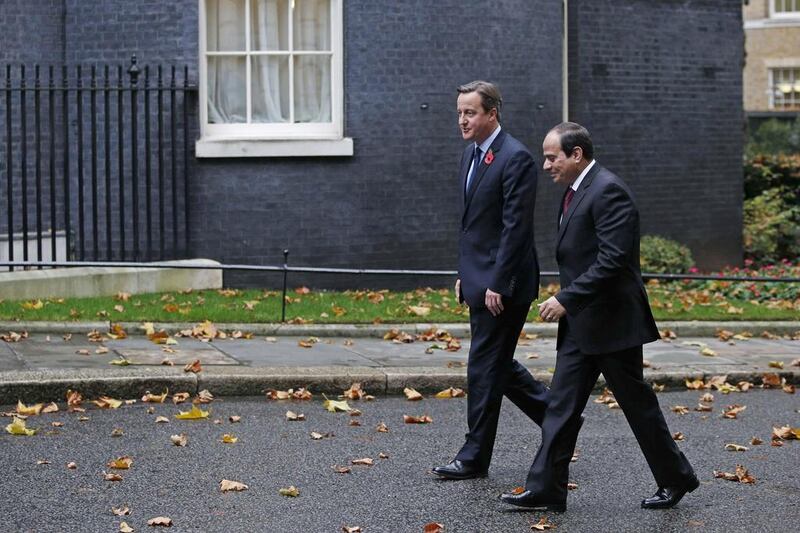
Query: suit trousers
[[575, 376], [492, 372]]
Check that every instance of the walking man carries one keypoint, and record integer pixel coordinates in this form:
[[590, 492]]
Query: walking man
[[498, 273], [603, 319]]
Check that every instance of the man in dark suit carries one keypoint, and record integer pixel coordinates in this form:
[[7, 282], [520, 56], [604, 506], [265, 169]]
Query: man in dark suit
[[498, 273], [603, 319]]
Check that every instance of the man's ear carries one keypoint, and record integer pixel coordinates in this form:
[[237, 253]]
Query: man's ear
[[577, 154]]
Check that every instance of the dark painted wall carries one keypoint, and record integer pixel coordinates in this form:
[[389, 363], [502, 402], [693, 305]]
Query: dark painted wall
[[662, 100]]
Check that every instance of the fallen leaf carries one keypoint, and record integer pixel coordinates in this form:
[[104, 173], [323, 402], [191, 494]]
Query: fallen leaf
[[755, 441], [412, 395], [658, 388], [125, 528], [424, 419], [273, 394], [419, 310], [708, 352], [160, 521], [179, 440], [74, 399], [194, 366], [771, 381], [741, 475], [162, 420], [122, 361], [294, 417], [117, 432], [732, 411], [354, 392], [382, 428], [366, 461], [707, 397], [319, 436], [383, 455], [106, 402], [227, 485], [789, 388], [234, 418], [542, 525], [433, 527], [334, 406], [17, 427], [227, 438], [121, 511], [735, 448], [678, 436], [121, 463], [29, 410], [155, 398], [776, 364], [204, 396], [351, 529], [703, 408], [101, 350], [42, 462], [112, 476], [450, 393], [180, 397], [194, 414], [290, 491], [342, 469], [679, 409], [695, 384], [572, 486]]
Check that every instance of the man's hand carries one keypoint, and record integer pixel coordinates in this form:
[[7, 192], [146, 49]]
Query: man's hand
[[459, 298], [494, 301], [551, 310]]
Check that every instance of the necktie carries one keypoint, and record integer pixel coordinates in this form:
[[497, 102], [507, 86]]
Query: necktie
[[476, 160], [567, 200]]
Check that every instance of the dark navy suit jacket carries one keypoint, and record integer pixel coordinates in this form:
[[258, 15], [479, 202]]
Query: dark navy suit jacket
[[496, 245], [597, 250]]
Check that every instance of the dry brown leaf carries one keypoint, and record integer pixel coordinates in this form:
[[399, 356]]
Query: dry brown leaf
[[451, 392], [106, 402], [162, 420], [412, 395], [695, 384], [383, 455], [180, 397], [755, 441], [294, 417], [703, 408], [572, 486], [658, 388], [731, 447], [424, 419], [741, 475], [366, 461], [179, 440], [125, 528], [542, 525], [771, 380], [789, 388], [342, 469], [227, 485], [194, 366], [273, 394], [164, 521], [72, 466], [155, 398], [351, 529], [121, 463], [112, 476], [121, 511], [732, 411], [117, 432], [354, 392], [204, 396], [433, 527], [678, 436], [679, 409], [234, 418], [707, 397], [382, 428]]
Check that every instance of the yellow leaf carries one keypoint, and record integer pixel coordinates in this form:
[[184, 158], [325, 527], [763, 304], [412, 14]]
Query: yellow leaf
[[227, 438], [120, 362], [29, 410], [412, 395], [32, 305], [106, 402], [450, 393], [776, 364], [708, 352], [195, 414], [290, 491], [17, 427], [121, 463], [227, 485], [333, 406]]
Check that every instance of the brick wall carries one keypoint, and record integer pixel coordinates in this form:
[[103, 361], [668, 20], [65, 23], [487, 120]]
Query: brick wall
[[658, 83]]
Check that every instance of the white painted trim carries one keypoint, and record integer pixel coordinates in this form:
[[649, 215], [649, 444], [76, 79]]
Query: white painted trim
[[210, 147], [766, 24], [306, 139], [780, 15]]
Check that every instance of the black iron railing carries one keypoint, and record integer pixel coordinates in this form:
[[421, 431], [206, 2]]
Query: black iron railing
[[109, 158]]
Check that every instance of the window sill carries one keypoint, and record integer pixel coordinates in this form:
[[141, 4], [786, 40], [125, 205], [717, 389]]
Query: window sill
[[224, 147]]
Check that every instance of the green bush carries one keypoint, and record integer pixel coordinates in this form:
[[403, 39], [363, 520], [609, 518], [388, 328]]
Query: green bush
[[774, 137], [771, 227], [660, 255], [765, 172]]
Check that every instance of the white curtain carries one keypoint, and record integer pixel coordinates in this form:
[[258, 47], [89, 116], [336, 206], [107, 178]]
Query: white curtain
[[270, 73]]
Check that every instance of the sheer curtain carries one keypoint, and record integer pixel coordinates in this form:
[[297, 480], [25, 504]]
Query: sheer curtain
[[269, 32]]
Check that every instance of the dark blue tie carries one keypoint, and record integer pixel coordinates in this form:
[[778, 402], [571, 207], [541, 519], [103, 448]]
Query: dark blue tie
[[476, 160]]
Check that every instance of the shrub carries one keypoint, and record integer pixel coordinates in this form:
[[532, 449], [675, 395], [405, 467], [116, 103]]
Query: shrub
[[771, 227], [661, 255], [774, 137], [764, 172]]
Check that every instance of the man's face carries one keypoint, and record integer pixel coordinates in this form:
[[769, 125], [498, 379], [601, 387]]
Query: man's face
[[476, 124], [562, 168]]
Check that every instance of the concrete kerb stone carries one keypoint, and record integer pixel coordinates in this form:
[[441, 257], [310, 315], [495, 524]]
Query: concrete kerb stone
[[460, 330], [52, 385], [331, 380]]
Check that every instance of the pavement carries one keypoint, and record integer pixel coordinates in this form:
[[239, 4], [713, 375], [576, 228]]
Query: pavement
[[56, 357]]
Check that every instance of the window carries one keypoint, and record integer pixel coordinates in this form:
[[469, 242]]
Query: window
[[784, 88], [785, 8], [271, 76]]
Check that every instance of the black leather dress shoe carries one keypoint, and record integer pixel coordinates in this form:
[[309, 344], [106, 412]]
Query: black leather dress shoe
[[529, 500], [666, 497], [458, 470]]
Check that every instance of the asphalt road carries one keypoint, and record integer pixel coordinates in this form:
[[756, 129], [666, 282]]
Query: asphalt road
[[396, 494]]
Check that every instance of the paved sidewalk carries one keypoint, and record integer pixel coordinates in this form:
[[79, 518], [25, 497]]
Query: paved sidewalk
[[45, 365]]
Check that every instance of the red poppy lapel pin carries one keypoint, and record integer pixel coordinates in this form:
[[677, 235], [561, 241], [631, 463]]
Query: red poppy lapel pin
[[489, 157]]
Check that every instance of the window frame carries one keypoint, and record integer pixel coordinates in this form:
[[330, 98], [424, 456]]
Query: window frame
[[773, 87], [277, 139], [775, 14]]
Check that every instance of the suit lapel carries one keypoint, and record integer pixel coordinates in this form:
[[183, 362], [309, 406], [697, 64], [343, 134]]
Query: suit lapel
[[465, 160], [576, 200], [497, 144]]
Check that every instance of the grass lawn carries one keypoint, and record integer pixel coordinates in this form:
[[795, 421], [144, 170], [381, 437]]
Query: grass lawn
[[321, 307]]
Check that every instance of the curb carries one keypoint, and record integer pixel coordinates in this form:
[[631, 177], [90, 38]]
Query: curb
[[126, 383], [461, 330]]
